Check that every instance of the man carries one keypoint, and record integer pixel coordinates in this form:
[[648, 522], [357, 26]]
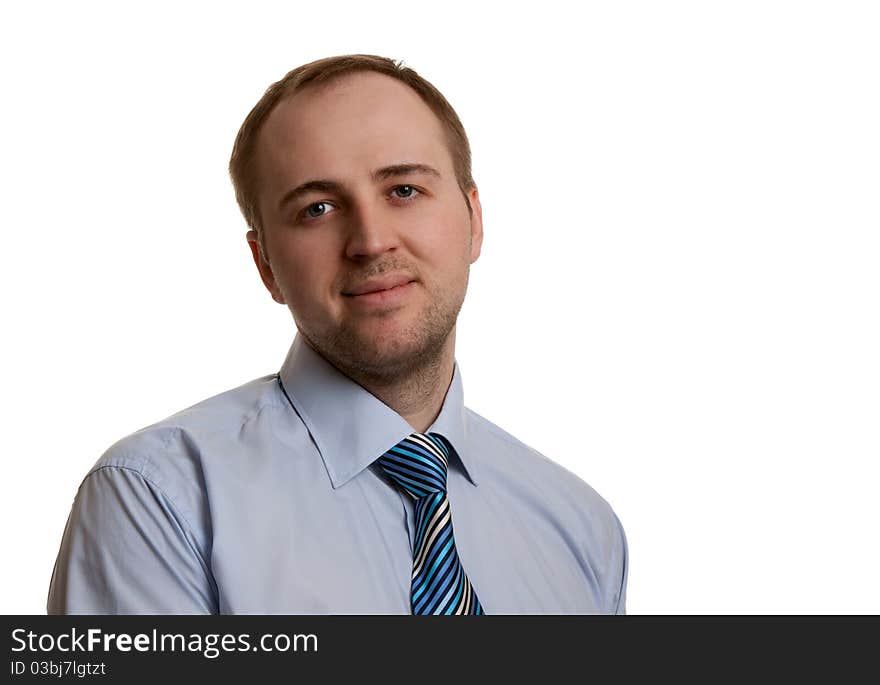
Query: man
[[333, 486]]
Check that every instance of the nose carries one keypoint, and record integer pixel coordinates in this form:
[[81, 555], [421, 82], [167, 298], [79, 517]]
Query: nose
[[371, 232]]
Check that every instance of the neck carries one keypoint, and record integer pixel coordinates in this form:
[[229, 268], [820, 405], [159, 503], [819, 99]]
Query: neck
[[418, 395]]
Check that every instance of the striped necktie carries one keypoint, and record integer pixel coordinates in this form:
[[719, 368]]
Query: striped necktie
[[419, 465]]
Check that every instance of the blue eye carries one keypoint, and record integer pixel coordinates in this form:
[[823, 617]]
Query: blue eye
[[311, 214], [406, 193], [409, 191]]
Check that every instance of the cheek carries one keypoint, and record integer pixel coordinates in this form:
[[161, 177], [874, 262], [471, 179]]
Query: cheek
[[449, 247], [305, 275], [445, 232]]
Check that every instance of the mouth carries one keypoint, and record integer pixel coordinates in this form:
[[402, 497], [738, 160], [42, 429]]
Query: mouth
[[378, 289], [382, 296], [375, 285]]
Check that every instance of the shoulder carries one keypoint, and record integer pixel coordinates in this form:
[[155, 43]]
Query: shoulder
[[170, 454], [529, 478], [512, 457]]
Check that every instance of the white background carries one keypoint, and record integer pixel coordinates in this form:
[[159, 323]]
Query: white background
[[677, 297]]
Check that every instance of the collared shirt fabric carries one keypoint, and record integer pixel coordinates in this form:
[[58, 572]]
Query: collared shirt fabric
[[265, 499]]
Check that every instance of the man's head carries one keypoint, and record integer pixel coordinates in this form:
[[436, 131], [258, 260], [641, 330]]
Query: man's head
[[354, 174]]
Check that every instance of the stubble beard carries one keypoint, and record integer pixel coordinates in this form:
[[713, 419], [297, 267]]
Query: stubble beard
[[393, 357]]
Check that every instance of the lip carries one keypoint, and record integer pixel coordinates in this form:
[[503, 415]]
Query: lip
[[375, 285], [387, 297]]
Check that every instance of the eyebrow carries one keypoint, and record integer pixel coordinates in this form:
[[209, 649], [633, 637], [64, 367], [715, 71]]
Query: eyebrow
[[324, 185]]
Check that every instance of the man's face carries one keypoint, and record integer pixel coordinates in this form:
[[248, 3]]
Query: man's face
[[358, 194]]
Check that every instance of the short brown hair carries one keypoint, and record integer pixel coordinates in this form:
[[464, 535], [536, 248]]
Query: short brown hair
[[242, 163]]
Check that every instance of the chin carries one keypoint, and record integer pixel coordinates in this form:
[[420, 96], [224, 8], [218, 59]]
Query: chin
[[389, 353], [385, 347]]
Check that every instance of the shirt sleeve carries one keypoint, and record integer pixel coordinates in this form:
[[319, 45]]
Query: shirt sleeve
[[127, 549], [621, 559]]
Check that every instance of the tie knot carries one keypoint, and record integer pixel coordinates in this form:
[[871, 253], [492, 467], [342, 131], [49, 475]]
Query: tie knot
[[418, 463]]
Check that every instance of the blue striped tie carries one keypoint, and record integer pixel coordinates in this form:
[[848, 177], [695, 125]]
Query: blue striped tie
[[419, 465]]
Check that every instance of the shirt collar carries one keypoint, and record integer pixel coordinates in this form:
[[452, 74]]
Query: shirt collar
[[352, 427]]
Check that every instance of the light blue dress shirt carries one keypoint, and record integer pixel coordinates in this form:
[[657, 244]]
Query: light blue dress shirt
[[265, 499]]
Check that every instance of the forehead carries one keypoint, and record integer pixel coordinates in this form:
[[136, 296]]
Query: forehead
[[352, 125]]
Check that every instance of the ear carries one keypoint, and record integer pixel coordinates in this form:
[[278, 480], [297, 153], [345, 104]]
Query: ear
[[476, 224], [264, 268]]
